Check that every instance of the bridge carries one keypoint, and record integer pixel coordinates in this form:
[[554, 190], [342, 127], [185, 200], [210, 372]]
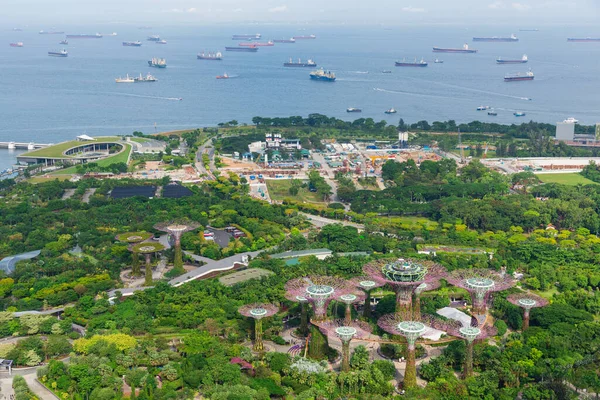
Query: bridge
[[23, 145]]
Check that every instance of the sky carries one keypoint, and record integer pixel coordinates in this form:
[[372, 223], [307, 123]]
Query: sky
[[534, 12]]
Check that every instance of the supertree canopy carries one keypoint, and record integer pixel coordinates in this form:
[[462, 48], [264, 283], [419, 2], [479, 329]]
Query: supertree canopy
[[480, 283], [134, 237], [318, 290], [527, 301], [367, 285], [349, 299], [258, 312], [404, 275], [345, 332], [147, 249], [470, 334], [176, 230]]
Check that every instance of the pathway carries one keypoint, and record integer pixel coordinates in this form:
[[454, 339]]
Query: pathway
[[67, 194], [88, 193], [322, 221]]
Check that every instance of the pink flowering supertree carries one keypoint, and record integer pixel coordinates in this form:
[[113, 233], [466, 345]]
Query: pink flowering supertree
[[404, 276], [423, 287], [470, 334], [349, 299], [366, 284], [480, 283], [345, 332], [527, 301], [258, 312]]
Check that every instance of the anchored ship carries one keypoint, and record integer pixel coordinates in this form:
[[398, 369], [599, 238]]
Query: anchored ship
[[252, 49], [415, 63], [64, 41], [18, 44], [309, 63], [153, 38], [465, 49], [85, 36], [519, 77], [391, 111], [353, 110], [511, 38], [523, 60], [59, 53], [51, 33], [257, 44], [438, 61], [157, 63], [127, 79], [224, 76], [147, 78], [133, 44], [304, 37], [162, 41], [210, 56], [529, 30], [247, 36], [290, 40], [321, 75], [587, 39]]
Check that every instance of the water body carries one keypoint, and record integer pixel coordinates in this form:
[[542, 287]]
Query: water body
[[48, 100]]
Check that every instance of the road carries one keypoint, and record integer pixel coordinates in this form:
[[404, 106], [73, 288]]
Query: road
[[207, 148], [319, 222]]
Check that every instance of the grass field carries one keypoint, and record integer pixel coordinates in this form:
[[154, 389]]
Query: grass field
[[57, 150], [571, 179], [40, 179], [117, 158], [279, 190]]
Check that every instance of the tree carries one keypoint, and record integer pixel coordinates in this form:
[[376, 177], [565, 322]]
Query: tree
[[360, 358]]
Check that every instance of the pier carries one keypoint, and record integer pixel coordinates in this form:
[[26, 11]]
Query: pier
[[23, 146]]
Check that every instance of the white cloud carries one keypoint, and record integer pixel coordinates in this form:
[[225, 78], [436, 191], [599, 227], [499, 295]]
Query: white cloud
[[278, 9], [520, 6], [191, 10], [413, 9], [497, 5]]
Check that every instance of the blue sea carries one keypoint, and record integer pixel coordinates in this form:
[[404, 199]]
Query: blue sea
[[48, 100]]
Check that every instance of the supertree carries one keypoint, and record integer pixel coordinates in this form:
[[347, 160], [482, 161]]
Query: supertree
[[470, 334], [423, 287], [404, 275], [349, 299], [134, 237], [258, 312], [176, 230], [345, 332], [303, 329], [147, 249], [527, 301], [480, 283], [367, 285]]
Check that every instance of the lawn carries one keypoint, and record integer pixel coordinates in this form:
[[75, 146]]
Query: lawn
[[41, 179], [279, 189], [571, 179], [123, 156], [57, 150]]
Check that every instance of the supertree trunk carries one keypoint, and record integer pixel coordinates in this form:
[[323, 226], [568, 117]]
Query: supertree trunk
[[525, 319], [348, 315], [478, 305], [367, 307], [178, 258], [303, 319], [404, 302], [468, 360], [345, 356], [135, 264], [320, 308], [410, 374], [417, 308], [148, 275], [258, 342], [318, 344]]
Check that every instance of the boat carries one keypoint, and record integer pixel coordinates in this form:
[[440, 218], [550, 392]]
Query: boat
[[224, 76], [353, 110], [85, 36], [153, 38], [438, 61], [586, 39], [308, 63], [247, 36], [257, 44], [414, 63], [109, 34], [157, 63], [464, 49], [321, 75], [386, 71], [391, 111], [58, 53], [51, 33], [64, 41], [519, 114], [571, 120], [162, 41], [133, 44], [147, 78], [529, 30], [17, 44], [127, 79], [251, 49], [511, 38], [492, 113], [522, 60], [483, 108], [290, 40], [528, 76], [210, 56], [302, 37]]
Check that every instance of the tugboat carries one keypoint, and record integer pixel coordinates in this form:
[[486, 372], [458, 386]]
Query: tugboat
[[18, 44], [353, 110], [309, 63], [224, 76], [321, 75], [157, 63], [519, 77], [147, 78], [64, 42], [415, 63], [522, 60], [519, 114], [132, 44], [210, 56], [61, 53], [391, 111], [127, 79]]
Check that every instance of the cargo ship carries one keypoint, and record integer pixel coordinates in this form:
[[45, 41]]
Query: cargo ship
[[353, 110], [132, 44], [85, 36], [246, 36], [511, 38], [64, 41], [290, 40], [321, 75], [59, 53], [18, 44], [127, 79], [210, 56], [465, 49], [147, 78], [414, 63], [109, 34], [224, 76], [519, 77], [251, 49], [257, 44], [308, 63], [522, 60], [587, 39], [302, 37], [157, 63], [153, 38], [529, 30], [51, 33]]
